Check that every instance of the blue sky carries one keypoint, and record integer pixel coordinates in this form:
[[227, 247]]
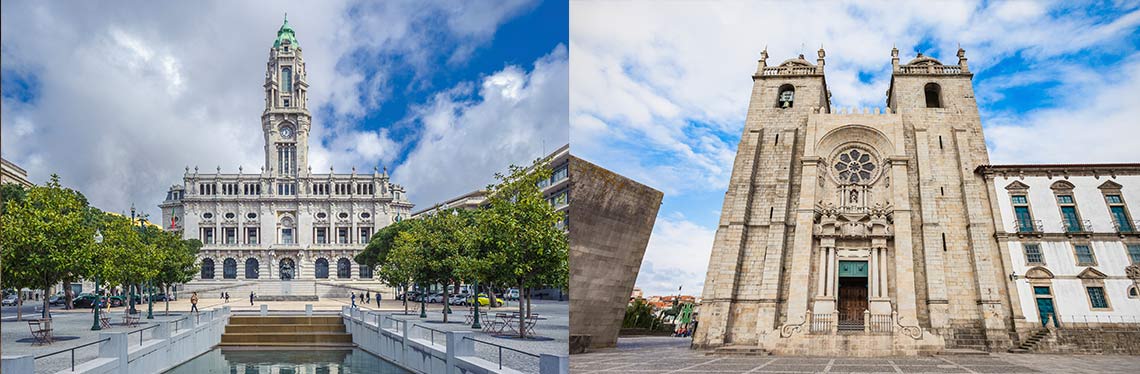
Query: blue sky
[[118, 98], [662, 97]]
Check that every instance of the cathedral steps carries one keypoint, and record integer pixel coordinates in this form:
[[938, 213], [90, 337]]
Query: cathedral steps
[[972, 338], [738, 350], [1031, 342], [280, 331]]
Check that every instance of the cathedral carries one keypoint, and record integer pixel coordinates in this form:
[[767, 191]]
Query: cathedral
[[282, 229], [872, 232]]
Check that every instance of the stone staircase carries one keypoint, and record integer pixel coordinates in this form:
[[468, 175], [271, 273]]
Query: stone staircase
[[738, 350], [286, 331], [1031, 342], [968, 338]]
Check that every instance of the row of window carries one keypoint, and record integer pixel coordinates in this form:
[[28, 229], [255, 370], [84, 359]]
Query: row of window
[[557, 176], [320, 235], [932, 91], [233, 189], [1070, 215], [1097, 300], [1082, 252], [253, 269], [560, 198]]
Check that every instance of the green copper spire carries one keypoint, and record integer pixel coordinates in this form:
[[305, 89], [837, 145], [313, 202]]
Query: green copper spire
[[286, 33]]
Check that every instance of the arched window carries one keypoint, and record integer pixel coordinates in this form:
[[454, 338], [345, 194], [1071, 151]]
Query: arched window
[[207, 269], [229, 268], [1133, 293], [286, 79], [787, 96], [322, 268], [343, 268], [365, 272], [933, 95], [251, 268]]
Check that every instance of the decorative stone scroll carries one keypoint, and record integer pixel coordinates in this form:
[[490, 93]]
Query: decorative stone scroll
[[787, 330], [915, 332]]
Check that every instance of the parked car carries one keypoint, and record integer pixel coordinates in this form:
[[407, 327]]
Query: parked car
[[117, 301], [158, 297], [512, 294], [10, 300], [484, 300], [435, 298], [460, 299], [86, 300], [57, 300]]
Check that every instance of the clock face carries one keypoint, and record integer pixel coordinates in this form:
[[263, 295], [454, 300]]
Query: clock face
[[287, 132]]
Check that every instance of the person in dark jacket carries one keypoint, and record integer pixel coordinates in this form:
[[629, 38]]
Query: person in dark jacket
[[250, 298]]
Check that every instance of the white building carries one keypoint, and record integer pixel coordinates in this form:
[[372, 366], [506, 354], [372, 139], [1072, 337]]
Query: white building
[[1070, 242], [283, 222]]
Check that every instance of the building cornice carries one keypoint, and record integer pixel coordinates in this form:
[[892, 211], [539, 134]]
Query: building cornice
[[1058, 170]]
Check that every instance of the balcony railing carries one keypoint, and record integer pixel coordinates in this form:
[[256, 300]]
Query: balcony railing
[[879, 323], [1125, 227], [1029, 226], [1077, 226]]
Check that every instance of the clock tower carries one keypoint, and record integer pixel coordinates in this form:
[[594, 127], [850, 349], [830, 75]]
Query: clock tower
[[286, 119]]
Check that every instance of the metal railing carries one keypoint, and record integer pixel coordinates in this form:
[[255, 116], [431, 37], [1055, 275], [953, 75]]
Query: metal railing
[[501, 348], [72, 350], [395, 323], [1096, 318], [821, 323], [1028, 226], [1077, 226], [140, 331], [432, 332], [1125, 227]]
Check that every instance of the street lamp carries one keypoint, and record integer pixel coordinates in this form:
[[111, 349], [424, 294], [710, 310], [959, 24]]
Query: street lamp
[[95, 324], [476, 324], [423, 305]]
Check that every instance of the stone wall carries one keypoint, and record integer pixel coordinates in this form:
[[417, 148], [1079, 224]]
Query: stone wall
[[1093, 340], [610, 224]]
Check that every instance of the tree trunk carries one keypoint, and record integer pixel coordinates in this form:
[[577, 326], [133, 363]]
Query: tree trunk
[[405, 299], [47, 313], [19, 306], [522, 314], [67, 294], [528, 303], [490, 293], [166, 289], [444, 304]]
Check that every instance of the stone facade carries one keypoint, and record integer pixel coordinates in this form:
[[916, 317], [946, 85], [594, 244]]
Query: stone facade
[[10, 173], [283, 222], [860, 232], [611, 222]]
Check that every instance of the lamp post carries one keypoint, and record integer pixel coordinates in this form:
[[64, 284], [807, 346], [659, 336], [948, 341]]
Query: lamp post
[[130, 285], [423, 305], [476, 324], [95, 324]]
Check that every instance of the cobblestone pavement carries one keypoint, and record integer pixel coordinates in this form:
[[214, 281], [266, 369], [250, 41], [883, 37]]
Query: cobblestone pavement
[[672, 355]]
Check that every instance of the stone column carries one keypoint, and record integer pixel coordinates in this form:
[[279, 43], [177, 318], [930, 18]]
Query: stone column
[[873, 273], [904, 247], [821, 286]]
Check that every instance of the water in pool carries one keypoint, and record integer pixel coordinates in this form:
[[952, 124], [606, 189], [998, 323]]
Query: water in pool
[[258, 361]]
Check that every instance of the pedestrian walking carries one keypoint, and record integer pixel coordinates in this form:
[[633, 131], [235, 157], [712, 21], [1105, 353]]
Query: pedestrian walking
[[378, 297], [354, 299], [227, 295], [194, 302], [367, 298], [250, 298]]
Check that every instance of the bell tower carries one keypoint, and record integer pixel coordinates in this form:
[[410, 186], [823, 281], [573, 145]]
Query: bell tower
[[286, 120]]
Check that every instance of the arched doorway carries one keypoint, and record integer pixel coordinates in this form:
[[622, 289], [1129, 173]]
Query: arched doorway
[[229, 268], [252, 268], [343, 268], [207, 268], [287, 269], [322, 268]]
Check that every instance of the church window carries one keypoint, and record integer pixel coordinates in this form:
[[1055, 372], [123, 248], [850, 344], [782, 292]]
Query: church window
[[1096, 297], [322, 268], [1133, 293], [365, 234], [286, 80], [1134, 253], [343, 268], [787, 96], [342, 235], [207, 269], [933, 95], [1085, 255], [1033, 254], [854, 166], [251, 235], [208, 235], [322, 235]]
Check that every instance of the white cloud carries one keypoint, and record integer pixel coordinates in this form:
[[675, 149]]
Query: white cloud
[[127, 95], [514, 117], [677, 256]]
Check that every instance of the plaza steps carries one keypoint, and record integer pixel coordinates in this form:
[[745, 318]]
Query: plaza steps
[[286, 331], [1031, 342], [739, 351], [970, 338]]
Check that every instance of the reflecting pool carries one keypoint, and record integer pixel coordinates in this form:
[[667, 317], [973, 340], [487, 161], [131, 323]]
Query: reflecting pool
[[277, 361]]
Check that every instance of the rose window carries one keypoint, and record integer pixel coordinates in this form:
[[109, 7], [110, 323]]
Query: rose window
[[854, 166]]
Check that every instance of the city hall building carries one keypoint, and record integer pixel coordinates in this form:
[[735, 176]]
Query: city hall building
[[887, 231], [283, 222]]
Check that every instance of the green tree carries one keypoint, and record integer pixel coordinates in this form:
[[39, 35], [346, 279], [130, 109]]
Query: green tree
[[377, 255], [46, 234], [521, 225], [179, 260], [16, 277]]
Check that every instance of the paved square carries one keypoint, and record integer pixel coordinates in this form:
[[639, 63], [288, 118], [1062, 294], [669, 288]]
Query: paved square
[[672, 355]]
